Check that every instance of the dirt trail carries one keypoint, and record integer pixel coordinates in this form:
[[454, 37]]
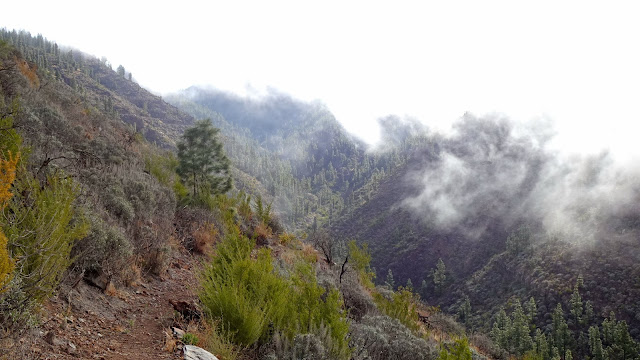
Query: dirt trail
[[130, 324]]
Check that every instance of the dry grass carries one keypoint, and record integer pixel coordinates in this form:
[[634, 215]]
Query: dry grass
[[215, 342], [309, 253], [204, 237], [170, 342], [132, 275], [262, 233]]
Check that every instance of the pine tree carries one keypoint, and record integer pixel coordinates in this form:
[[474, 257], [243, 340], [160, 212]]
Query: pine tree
[[595, 344], [560, 330], [464, 312], [202, 162], [576, 305], [409, 285], [389, 280], [439, 275]]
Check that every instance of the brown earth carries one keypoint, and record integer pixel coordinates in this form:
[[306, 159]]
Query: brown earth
[[84, 322]]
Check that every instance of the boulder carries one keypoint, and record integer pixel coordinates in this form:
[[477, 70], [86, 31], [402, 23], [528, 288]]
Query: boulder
[[195, 353], [177, 332]]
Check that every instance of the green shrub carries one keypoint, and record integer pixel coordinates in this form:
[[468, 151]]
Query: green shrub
[[190, 339], [399, 305], [360, 257], [117, 204], [458, 350], [244, 293], [42, 227], [250, 298]]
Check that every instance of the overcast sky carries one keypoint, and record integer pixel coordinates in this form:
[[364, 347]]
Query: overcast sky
[[577, 63]]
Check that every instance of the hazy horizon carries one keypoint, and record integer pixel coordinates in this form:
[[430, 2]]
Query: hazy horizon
[[570, 64]]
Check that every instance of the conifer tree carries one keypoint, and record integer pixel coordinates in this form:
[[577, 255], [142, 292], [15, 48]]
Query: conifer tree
[[202, 162], [389, 280], [439, 275]]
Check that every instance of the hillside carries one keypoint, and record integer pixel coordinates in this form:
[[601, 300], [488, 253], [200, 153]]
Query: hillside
[[487, 223], [306, 162], [104, 249], [510, 221]]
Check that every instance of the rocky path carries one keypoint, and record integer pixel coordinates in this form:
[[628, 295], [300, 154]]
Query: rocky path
[[132, 323]]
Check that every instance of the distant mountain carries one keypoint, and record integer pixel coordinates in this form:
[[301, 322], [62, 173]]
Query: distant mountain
[[510, 220], [303, 159]]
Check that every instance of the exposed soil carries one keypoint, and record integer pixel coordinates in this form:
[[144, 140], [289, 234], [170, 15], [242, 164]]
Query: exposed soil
[[84, 322]]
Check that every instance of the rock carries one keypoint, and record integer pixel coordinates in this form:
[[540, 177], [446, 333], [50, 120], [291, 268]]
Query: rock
[[98, 280], [71, 348], [52, 339], [178, 333], [189, 311], [195, 353]]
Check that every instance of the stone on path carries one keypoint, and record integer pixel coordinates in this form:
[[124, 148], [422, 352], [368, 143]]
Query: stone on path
[[195, 353]]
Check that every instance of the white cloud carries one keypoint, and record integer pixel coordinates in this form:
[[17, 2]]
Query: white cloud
[[573, 61]]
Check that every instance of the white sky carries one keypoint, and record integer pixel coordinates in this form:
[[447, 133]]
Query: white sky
[[576, 62]]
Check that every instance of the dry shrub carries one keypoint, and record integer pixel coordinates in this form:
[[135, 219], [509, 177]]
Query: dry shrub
[[309, 253], [262, 233], [110, 289], [132, 275], [169, 341], [204, 237], [216, 342], [158, 260], [29, 71]]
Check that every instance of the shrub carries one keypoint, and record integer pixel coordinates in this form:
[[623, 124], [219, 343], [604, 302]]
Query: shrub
[[399, 305], [43, 225], [286, 238], [204, 237], [251, 300], [361, 260], [106, 248], [458, 350], [244, 293], [357, 301], [190, 339], [217, 342], [303, 346], [7, 175], [382, 337]]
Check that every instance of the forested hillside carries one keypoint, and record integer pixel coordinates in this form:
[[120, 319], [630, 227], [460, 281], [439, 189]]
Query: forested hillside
[[104, 223], [104, 185], [302, 157], [488, 218]]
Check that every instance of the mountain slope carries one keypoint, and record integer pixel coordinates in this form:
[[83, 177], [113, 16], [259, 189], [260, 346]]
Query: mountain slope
[[509, 219]]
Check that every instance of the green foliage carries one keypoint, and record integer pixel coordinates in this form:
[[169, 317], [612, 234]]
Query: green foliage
[[389, 280], [202, 162], [519, 240], [262, 211], [42, 228], [560, 333], [189, 339], [244, 293], [439, 275], [459, 350], [464, 311], [360, 257], [248, 296], [512, 333], [162, 167], [399, 305]]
